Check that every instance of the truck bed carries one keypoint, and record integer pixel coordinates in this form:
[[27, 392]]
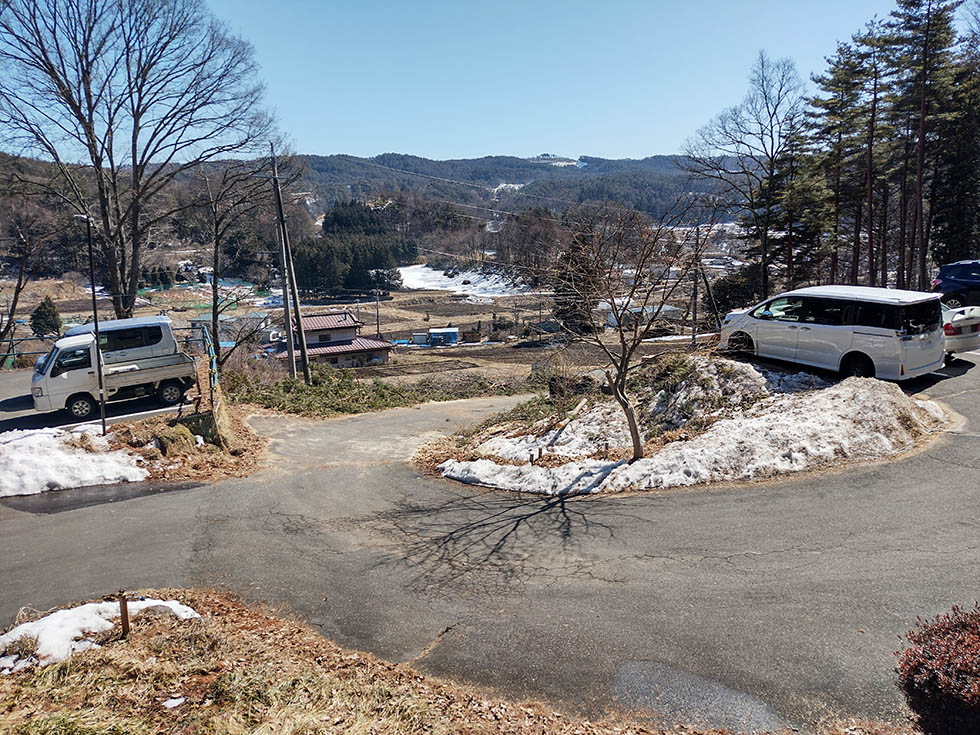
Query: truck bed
[[149, 370]]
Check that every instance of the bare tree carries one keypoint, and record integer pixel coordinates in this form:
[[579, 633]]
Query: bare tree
[[124, 96], [742, 147], [633, 267], [27, 228]]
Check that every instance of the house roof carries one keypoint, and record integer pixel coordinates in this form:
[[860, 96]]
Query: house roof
[[348, 347], [330, 320]]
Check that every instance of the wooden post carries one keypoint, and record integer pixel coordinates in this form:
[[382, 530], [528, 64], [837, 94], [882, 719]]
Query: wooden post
[[124, 613], [531, 458]]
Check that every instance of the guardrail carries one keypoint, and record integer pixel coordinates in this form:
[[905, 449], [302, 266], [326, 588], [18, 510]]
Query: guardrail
[[212, 370]]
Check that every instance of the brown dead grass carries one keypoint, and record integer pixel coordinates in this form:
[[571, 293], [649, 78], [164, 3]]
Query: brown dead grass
[[181, 459], [864, 727], [241, 670]]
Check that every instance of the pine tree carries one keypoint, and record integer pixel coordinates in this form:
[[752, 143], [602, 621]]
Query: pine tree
[[45, 319], [956, 204], [573, 281], [834, 130], [924, 39]]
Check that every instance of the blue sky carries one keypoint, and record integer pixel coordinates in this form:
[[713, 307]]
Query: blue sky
[[441, 79]]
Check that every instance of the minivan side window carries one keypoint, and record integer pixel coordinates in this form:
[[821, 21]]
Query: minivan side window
[[832, 312], [871, 314], [786, 309]]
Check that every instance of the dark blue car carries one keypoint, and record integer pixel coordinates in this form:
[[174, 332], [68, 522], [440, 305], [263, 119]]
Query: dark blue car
[[959, 283]]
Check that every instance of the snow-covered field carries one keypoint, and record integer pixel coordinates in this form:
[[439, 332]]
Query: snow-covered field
[[35, 460], [477, 283], [58, 635], [745, 423]]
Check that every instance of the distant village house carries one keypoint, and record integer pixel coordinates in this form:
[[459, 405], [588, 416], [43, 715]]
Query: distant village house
[[333, 339]]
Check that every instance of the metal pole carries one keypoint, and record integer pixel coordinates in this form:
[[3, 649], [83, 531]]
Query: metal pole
[[304, 355], [95, 319], [694, 292]]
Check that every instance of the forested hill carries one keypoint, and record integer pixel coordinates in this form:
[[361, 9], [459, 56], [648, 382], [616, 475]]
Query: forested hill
[[650, 184]]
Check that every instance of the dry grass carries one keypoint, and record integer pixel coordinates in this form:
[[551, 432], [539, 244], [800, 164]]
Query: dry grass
[[180, 458], [864, 727], [242, 670]]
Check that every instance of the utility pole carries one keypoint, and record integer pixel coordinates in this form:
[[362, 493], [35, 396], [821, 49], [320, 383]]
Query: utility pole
[[377, 310], [95, 318], [290, 344], [304, 355]]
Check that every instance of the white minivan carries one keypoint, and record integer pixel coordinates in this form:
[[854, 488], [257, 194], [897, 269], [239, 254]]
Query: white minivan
[[857, 330], [131, 339]]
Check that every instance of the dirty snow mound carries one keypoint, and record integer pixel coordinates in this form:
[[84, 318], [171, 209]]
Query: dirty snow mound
[[63, 632], [584, 435], [35, 460], [858, 419], [861, 418]]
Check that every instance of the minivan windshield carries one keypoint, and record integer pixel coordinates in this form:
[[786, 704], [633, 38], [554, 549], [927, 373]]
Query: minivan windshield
[[925, 316], [44, 360]]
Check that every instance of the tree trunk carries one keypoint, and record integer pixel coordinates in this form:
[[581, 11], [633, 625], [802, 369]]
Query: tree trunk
[[870, 175], [215, 311], [629, 411], [883, 236], [856, 246], [920, 157]]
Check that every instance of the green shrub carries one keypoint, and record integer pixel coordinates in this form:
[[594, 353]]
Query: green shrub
[[335, 392]]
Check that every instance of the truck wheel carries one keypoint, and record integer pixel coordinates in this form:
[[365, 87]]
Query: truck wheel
[[170, 393], [80, 406]]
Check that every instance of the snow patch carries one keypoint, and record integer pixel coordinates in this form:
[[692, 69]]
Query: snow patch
[[35, 460], [478, 283], [63, 632]]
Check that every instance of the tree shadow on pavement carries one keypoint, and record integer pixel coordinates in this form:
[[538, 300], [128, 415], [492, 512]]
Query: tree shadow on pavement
[[492, 542]]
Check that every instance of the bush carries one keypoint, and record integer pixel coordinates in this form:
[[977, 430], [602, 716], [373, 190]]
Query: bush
[[939, 672], [45, 319], [340, 392]]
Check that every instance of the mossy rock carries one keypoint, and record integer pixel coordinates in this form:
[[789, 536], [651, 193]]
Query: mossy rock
[[176, 440]]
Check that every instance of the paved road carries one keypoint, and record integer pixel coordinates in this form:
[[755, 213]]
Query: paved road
[[736, 606], [17, 406]]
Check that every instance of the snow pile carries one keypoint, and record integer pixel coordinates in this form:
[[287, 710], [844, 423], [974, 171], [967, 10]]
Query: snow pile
[[585, 435], [35, 460], [695, 388], [478, 283], [63, 632], [858, 419]]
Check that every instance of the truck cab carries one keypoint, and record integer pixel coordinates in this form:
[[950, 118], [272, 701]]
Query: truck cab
[[66, 370]]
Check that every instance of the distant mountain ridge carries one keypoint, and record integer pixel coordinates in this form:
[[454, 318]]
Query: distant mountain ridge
[[650, 184]]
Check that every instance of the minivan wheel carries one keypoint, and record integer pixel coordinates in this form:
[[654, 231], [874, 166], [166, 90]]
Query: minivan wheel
[[741, 344], [170, 393], [857, 366], [953, 302], [80, 406]]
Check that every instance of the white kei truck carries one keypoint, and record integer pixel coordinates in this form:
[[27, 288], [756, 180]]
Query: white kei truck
[[139, 357]]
